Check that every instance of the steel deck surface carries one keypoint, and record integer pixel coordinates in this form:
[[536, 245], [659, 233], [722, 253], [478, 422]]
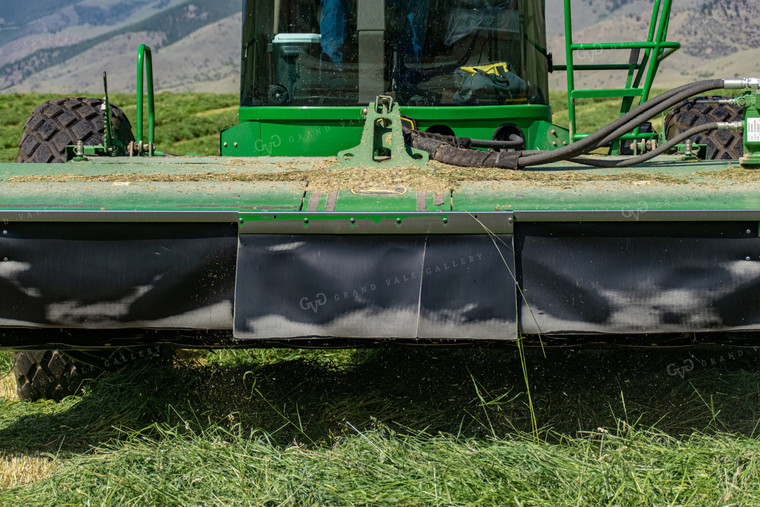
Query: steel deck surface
[[292, 184]]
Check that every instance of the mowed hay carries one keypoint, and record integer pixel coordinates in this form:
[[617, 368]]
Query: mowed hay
[[7, 387], [18, 469]]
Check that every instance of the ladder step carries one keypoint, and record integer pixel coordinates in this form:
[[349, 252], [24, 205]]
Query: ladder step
[[614, 46], [607, 92], [601, 66], [641, 135]]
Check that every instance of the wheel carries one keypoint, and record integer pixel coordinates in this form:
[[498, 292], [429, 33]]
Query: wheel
[[46, 374], [61, 122], [50, 128], [722, 144], [53, 374]]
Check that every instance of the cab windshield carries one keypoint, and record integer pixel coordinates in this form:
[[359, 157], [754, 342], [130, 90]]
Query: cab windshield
[[421, 52]]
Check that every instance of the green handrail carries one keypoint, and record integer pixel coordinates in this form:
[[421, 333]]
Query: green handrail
[[145, 64], [655, 49]]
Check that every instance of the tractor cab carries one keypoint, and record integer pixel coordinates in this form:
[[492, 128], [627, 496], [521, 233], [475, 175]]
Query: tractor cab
[[471, 68], [421, 52]]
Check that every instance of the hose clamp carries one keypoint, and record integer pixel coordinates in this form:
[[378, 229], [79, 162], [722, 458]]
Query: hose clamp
[[732, 125], [742, 83]]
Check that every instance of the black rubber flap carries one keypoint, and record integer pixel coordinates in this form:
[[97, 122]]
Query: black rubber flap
[[109, 276], [639, 278], [375, 286]]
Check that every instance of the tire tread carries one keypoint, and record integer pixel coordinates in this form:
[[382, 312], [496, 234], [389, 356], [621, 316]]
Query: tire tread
[[62, 122], [722, 144]]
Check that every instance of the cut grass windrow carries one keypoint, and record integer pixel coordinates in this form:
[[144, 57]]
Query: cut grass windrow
[[399, 425]]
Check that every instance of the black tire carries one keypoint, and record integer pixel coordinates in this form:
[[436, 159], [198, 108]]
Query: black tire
[[46, 374], [61, 122], [722, 144], [51, 374]]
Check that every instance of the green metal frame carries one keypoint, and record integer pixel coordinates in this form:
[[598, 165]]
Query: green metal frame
[[110, 148], [751, 104], [382, 137], [145, 64], [655, 49], [324, 131]]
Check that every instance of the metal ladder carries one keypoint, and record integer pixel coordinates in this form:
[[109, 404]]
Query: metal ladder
[[642, 65]]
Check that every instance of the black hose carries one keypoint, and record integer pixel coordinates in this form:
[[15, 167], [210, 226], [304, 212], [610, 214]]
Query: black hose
[[456, 150], [514, 142], [598, 162], [622, 125], [650, 114], [442, 149]]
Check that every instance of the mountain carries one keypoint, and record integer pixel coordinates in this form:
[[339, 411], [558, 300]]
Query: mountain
[[719, 38], [196, 43]]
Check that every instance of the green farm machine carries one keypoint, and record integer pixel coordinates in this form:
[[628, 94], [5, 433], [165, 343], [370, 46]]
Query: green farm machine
[[394, 175]]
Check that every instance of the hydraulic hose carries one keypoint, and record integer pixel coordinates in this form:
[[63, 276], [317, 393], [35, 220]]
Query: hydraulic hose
[[514, 142], [456, 151], [598, 162], [622, 125]]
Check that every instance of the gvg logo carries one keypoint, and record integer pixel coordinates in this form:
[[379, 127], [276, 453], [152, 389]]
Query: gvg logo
[[635, 214], [687, 366], [319, 300]]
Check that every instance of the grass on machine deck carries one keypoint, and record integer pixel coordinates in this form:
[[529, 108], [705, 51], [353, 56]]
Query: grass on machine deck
[[217, 183], [326, 174]]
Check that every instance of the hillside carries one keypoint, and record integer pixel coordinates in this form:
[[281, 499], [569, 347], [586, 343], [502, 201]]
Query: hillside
[[196, 42], [718, 38]]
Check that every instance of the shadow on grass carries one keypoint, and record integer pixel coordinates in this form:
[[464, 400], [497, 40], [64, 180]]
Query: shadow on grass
[[313, 397]]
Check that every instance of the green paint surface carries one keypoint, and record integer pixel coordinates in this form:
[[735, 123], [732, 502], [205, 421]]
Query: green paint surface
[[271, 184], [324, 131]]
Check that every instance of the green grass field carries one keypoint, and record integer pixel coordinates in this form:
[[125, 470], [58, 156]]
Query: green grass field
[[185, 123], [387, 426], [190, 122]]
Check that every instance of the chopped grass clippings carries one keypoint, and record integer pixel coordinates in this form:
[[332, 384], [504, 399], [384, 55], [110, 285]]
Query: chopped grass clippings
[[397, 425]]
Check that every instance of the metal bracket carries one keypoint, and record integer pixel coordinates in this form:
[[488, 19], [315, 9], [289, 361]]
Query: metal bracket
[[145, 67], [105, 109], [751, 104], [382, 142], [111, 146]]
